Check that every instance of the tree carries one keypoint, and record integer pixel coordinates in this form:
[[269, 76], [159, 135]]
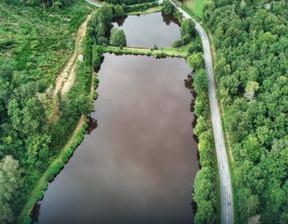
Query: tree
[[187, 27], [118, 37], [10, 182], [200, 81], [195, 61], [168, 8], [250, 89], [205, 213], [118, 11]]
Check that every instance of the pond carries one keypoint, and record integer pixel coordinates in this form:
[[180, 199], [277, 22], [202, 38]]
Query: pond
[[150, 29], [138, 160]]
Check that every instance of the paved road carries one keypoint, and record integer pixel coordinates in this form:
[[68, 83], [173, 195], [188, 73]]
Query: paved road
[[225, 180], [93, 3]]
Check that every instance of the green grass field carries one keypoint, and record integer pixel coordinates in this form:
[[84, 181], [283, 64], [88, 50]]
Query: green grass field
[[195, 6]]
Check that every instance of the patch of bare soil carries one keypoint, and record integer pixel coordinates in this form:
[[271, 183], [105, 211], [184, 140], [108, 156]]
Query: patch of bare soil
[[66, 78]]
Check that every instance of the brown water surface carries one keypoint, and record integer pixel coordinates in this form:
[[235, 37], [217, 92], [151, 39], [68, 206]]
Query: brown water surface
[[150, 29], [138, 160]]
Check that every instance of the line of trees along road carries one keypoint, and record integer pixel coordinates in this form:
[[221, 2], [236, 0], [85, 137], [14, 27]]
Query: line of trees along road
[[251, 42]]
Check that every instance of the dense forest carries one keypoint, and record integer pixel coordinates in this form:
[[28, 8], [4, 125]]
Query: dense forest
[[251, 67]]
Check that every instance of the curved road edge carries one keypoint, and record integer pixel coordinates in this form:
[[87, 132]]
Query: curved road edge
[[227, 216]]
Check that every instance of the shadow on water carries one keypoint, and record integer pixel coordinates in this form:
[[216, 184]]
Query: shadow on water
[[188, 83], [119, 20], [36, 213], [170, 19], [92, 124]]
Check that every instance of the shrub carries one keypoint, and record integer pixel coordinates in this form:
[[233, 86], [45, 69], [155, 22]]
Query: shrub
[[186, 39], [195, 47], [168, 8], [39, 195], [177, 43], [102, 40], [95, 95], [187, 27], [44, 186], [67, 154]]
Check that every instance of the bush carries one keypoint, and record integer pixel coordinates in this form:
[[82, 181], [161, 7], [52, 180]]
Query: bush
[[96, 58], [186, 39], [44, 186], [67, 154], [187, 27], [168, 8], [102, 40], [39, 195], [201, 126], [177, 43], [118, 37], [95, 95], [195, 48]]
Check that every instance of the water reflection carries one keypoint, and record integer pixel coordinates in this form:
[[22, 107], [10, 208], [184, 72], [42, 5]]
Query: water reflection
[[168, 19], [147, 30], [92, 124], [120, 20], [138, 166]]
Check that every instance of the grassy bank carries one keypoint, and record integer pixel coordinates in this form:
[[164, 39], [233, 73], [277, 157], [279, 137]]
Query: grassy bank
[[147, 11], [167, 51]]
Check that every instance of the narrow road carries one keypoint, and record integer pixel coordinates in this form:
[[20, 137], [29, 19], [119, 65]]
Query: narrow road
[[225, 179]]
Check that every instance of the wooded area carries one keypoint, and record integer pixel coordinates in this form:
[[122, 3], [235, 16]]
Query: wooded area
[[251, 42], [34, 126]]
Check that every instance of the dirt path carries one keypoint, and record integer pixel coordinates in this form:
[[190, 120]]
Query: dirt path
[[66, 78]]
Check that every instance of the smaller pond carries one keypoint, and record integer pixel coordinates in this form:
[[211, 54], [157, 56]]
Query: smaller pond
[[147, 30]]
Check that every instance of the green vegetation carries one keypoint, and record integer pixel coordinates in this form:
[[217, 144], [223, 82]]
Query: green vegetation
[[34, 125], [167, 51], [187, 33], [118, 37], [147, 11], [250, 39], [137, 9], [194, 6], [168, 8], [126, 2], [205, 184]]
